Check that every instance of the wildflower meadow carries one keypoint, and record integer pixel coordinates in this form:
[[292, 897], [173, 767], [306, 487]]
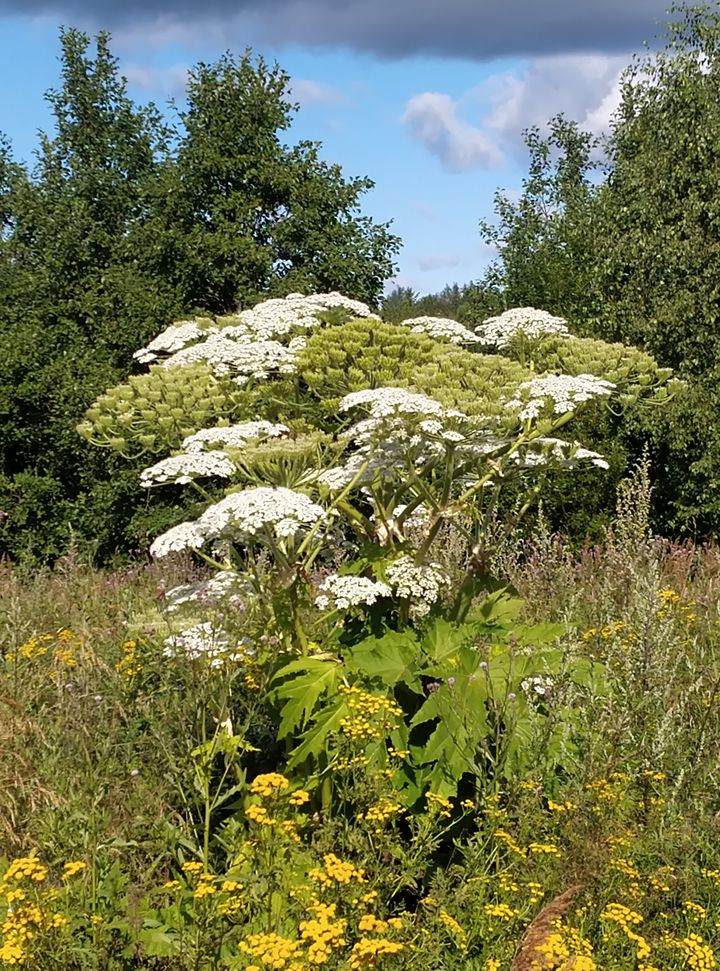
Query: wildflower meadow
[[361, 707]]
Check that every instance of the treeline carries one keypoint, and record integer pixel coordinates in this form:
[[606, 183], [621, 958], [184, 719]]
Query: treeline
[[621, 236], [131, 219], [127, 221]]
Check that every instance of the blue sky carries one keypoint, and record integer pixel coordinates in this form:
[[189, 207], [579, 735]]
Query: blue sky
[[433, 115]]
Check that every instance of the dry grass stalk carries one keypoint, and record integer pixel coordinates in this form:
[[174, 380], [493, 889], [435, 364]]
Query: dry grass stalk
[[528, 956]]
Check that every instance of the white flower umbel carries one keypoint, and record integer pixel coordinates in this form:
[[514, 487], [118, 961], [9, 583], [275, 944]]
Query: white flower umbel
[[234, 436], [542, 451], [186, 536], [520, 321], [273, 319], [538, 686], [181, 469], [173, 339], [382, 402], [441, 328], [417, 519], [204, 642], [261, 512], [239, 358], [225, 587], [562, 392], [421, 585], [341, 592]]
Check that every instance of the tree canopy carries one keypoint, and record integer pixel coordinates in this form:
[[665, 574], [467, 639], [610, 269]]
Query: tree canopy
[[129, 220]]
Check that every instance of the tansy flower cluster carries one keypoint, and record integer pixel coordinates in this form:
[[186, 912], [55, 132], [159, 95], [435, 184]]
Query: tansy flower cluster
[[562, 948], [335, 870], [129, 664], [62, 646], [626, 919], [371, 716], [26, 912]]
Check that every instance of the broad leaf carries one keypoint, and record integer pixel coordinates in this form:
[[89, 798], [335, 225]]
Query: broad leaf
[[315, 677]]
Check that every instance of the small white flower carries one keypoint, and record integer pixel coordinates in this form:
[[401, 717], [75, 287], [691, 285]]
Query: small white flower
[[181, 469], [343, 592], [234, 436], [204, 641], [537, 686], [186, 536], [526, 321], [441, 328], [174, 338], [245, 515], [563, 391], [421, 585]]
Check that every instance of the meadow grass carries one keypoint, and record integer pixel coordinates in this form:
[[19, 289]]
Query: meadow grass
[[147, 819]]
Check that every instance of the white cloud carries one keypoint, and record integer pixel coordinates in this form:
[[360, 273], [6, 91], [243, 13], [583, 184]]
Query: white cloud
[[433, 121], [315, 93], [168, 81], [583, 87]]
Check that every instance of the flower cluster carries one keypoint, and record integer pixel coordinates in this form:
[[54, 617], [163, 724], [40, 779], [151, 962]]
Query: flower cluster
[[129, 664], [241, 359], [543, 451], [537, 686], [62, 647], [173, 339], [268, 784], [563, 391], [183, 468], [370, 716], [419, 584], [528, 322], [341, 592], [226, 585], [335, 870], [233, 436], [279, 317], [203, 641], [441, 328], [381, 813], [383, 402], [278, 513]]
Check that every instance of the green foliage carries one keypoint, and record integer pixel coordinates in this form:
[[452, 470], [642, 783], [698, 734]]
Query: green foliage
[[153, 412], [545, 239], [126, 223], [625, 249], [464, 711], [366, 353], [242, 215]]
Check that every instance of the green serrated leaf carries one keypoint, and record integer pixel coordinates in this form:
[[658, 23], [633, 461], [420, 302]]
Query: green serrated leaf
[[314, 740], [391, 658], [316, 676]]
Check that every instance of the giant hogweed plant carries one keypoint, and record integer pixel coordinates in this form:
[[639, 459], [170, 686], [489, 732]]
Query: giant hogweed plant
[[342, 478]]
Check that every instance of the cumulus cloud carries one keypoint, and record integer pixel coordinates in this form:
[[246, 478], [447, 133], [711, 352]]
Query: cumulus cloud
[[585, 88], [168, 81], [401, 28], [315, 93], [433, 121]]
